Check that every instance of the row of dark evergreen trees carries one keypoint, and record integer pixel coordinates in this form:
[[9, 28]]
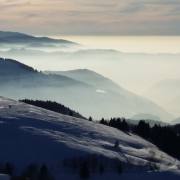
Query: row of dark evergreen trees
[[32, 172], [53, 106], [167, 138], [88, 165], [85, 166]]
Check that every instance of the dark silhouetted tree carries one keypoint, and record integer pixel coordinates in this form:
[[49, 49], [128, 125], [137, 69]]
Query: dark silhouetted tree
[[44, 173], [101, 168], [9, 169], [90, 118], [143, 129]]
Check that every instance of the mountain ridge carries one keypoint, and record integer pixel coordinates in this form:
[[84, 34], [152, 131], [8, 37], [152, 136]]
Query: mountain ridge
[[17, 37], [112, 100]]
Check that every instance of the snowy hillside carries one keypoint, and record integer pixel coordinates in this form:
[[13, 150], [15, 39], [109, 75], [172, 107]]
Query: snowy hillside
[[29, 134]]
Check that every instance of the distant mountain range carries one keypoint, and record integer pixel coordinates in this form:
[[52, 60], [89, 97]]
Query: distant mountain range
[[145, 117], [90, 77], [149, 118], [13, 73], [17, 38], [86, 91]]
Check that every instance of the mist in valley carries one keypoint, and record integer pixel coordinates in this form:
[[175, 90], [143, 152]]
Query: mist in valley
[[138, 72]]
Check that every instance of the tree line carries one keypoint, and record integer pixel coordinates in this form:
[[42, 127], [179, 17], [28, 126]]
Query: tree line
[[31, 172], [53, 106], [84, 166], [166, 138]]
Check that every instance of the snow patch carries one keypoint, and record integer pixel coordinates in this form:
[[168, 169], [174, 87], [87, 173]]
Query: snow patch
[[101, 91]]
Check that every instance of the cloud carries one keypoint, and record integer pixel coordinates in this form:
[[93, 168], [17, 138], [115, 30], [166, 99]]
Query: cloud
[[125, 17]]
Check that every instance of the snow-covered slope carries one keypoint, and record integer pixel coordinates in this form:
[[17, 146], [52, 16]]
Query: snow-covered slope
[[31, 134]]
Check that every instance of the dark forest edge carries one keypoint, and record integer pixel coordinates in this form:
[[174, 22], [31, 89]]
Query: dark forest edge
[[53, 106], [166, 138], [83, 167]]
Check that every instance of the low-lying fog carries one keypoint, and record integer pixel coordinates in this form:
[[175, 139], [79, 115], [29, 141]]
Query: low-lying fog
[[140, 71]]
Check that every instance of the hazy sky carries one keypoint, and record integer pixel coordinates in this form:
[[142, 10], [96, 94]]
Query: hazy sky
[[76, 17]]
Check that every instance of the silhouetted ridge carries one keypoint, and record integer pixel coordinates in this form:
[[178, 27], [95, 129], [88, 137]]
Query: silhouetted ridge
[[16, 37], [16, 74], [9, 63]]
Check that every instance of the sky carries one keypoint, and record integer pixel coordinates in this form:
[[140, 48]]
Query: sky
[[91, 17]]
